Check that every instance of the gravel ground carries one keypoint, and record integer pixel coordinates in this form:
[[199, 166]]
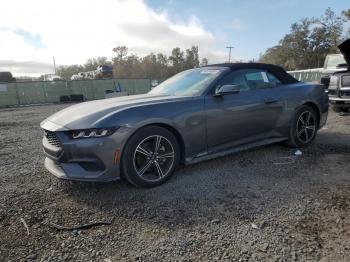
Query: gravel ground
[[258, 205]]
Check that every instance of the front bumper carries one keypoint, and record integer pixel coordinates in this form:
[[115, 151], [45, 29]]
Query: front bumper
[[90, 159], [73, 171], [339, 99], [341, 95]]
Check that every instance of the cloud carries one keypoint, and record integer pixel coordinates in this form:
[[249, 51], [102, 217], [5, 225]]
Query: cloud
[[74, 31], [28, 68], [237, 24]]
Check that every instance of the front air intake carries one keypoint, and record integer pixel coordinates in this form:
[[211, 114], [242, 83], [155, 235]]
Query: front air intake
[[52, 138]]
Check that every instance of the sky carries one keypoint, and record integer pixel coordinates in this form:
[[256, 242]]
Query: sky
[[33, 31]]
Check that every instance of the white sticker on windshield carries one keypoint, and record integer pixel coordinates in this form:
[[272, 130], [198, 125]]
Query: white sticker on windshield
[[264, 76], [209, 71]]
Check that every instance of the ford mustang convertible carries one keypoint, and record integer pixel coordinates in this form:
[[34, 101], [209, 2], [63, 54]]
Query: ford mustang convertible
[[193, 116]]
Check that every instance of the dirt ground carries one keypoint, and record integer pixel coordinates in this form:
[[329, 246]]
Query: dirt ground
[[258, 205]]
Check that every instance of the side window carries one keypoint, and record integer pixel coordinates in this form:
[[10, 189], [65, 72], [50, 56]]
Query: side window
[[257, 79], [235, 78], [274, 81], [250, 79]]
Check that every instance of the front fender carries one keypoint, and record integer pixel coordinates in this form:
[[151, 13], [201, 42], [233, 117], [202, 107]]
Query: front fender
[[186, 117]]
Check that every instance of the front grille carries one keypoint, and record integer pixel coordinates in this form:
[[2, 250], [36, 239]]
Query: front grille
[[345, 81], [52, 138], [345, 93], [332, 92]]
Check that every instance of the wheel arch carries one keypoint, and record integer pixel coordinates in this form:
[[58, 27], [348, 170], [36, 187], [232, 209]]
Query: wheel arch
[[171, 129], [177, 135], [315, 108]]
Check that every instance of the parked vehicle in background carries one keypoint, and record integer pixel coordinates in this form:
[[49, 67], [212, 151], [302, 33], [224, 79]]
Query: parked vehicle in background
[[333, 63], [101, 72], [104, 71], [78, 76], [339, 85], [193, 116], [81, 75], [6, 77], [52, 77], [90, 75], [75, 77]]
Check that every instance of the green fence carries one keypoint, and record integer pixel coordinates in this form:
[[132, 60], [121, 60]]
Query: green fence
[[308, 75], [24, 93]]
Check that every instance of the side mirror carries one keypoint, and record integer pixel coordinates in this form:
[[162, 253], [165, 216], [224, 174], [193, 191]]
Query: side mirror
[[325, 81], [227, 90]]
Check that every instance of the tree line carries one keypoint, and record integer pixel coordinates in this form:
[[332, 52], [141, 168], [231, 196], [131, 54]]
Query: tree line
[[128, 65], [305, 46], [309, 41]]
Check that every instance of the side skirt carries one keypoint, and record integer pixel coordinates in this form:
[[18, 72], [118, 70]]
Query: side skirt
[[208, 156]]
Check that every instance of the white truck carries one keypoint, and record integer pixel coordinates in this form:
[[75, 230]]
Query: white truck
[[333, 63], [339, 80]]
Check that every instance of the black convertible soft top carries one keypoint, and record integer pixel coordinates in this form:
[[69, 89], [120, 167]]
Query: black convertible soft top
[[278, 71]]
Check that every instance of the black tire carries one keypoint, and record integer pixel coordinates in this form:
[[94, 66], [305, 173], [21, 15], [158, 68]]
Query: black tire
[[300, 134], [142, 165]]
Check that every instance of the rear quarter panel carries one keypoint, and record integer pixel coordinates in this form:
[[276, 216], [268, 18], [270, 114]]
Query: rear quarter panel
[[302, 93]]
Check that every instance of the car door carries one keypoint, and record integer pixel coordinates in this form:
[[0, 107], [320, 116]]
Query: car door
[[246, 116]]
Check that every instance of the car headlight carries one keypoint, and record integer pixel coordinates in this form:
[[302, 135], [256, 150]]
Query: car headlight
[[91, 133]]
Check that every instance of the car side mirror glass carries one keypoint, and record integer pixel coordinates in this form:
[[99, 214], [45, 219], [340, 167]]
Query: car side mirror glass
[[227, 89]]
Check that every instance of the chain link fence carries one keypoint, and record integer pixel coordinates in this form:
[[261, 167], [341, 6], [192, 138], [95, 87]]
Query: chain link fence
[[40, 92]]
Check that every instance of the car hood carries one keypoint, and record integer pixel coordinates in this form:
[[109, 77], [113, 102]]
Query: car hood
[[89, 114], [345, 50]]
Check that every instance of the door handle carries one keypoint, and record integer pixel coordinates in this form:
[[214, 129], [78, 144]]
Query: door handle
[[270, 101]]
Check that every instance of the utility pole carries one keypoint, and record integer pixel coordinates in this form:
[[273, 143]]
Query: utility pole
[[229, 54], [54, 64]]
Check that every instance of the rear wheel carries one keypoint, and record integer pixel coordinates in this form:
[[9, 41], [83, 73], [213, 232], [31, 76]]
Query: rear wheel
[[304, 127], [150, 156]]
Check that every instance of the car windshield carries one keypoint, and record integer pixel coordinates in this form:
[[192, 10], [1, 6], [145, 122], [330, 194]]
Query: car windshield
[[188, 83], [106, 68], [334, 60]]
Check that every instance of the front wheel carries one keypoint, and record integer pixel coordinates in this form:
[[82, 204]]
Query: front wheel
[[304, 127], [150, 156]]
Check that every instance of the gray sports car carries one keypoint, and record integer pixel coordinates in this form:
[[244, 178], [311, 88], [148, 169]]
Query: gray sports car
[[195, 115]]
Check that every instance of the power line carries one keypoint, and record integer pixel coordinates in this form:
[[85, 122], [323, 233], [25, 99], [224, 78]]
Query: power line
[[54, 64], [229, 54]]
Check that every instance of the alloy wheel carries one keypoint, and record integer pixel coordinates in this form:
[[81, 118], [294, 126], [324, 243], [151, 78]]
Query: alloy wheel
[[306, 127], [153, 158]]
